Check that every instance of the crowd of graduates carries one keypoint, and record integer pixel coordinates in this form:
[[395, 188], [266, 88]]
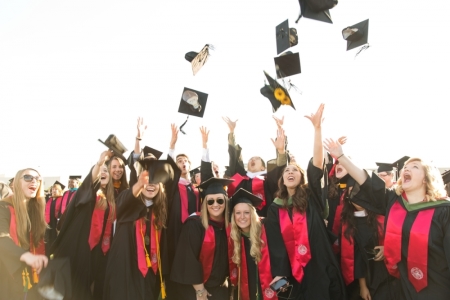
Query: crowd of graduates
[[272, 230]]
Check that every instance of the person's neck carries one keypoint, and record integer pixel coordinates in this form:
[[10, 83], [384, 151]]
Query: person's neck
[[186, 176], [216, 219], [415, 196], [291, 191]]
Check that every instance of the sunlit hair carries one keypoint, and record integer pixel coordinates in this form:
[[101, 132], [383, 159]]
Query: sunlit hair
[[123, 179], [255, 237], [58, 189], [434, 188], [107, 196], [299, 199], [29, 214], [204, 214], [159, 207], [5, 190]]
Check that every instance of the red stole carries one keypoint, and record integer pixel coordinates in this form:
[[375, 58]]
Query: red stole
[[337, 220], [207, 252], [48, 206], [67, 197], [296, 240], [257, 188], [185, 200], [417, 260], [141, 228], [347, 257], [97, 221]]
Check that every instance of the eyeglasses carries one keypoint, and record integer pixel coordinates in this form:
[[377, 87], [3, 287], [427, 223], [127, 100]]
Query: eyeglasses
[[29, 178], [219, 201]]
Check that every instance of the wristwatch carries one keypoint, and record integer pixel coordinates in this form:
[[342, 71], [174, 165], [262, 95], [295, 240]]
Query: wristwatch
[[200, 292]]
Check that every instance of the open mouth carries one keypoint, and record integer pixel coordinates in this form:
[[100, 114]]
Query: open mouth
[[290, 178], [150, 189], [406, 178]]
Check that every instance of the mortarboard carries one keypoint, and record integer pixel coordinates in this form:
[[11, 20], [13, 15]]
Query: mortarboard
[[195, 171], [446, 177], [75, 177], [116, 146], [244, 196], [287, 64], [158, 170], [214, 185], [356, 35], [55, 280], [193, 103], [197, 60], [400, 163], [316, 9], [276, 94], [383, 167], [148, 151], [11, 180], [286, 37], [60, 184]]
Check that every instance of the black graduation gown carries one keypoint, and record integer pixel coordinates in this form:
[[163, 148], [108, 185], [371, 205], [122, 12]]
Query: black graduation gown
[[123, 278], [87, 266], [322, 275], [373, 192], [11, 267], [236, 166], [187, 269], [51, 233]]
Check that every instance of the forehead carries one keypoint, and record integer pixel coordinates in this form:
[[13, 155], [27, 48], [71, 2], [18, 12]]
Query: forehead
[[256, 157], [31, 172], [115, 163], [215, 196], [182, 158], [241, 207]]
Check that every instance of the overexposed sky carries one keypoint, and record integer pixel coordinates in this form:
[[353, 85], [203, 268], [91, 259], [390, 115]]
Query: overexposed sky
[[72, 72]]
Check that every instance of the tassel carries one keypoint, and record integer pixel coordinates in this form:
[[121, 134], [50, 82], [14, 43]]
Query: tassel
[[147, 259], [163, 290], [35, 276], [182, 125], [24, 282]]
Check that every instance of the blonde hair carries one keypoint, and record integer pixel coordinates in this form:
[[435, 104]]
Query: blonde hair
[[434, 188], [204, 215], [58, 188], [30, 215], [255, 237]]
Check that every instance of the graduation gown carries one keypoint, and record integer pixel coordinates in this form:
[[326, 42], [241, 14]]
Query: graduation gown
[[322, 276], [11, 286], [187, 269], [374, 193], [87, 266], [53, 212]]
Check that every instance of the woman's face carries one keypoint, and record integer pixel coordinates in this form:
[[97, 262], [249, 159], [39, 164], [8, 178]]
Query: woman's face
[[292, 176], [340, 171], [150, 191], [116, 170], [215, 209], [413, 176], [255, 165], [30, 182], [55, 192], [242, 216], [104, 176]]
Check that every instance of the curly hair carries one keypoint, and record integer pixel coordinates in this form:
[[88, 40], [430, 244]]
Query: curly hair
[[434, 189], [255, 237], [300, 198]]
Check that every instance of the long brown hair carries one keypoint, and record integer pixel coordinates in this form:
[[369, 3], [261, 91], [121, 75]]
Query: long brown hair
[[30, 215], [300, 198], [123, 179], [159, 207], [107, 196]]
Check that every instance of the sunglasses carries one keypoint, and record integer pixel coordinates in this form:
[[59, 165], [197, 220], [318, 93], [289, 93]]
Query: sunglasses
[[219, 201], [29, 178]]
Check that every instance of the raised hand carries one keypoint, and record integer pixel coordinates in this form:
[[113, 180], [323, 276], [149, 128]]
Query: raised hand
[[231, 124], [174, 138], [342, 140], [205, 134], [279, 122], [104, 157], [333, 147], [280, 141], [140, 128], [316, 119]]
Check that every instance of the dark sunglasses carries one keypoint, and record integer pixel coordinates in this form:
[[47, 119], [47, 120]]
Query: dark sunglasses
[[29, 178], [219, 201]]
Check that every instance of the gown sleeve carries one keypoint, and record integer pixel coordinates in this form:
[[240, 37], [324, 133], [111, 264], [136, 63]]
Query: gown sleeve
[[129, 208], [315, 175], [445, 223], [236, 165]]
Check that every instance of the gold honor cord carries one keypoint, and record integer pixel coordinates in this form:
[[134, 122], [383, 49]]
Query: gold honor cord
[[163, 287], [147, 258]]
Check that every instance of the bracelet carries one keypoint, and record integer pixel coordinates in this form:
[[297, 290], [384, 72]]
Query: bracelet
[[340, 156], [139, 139], [200, 292]]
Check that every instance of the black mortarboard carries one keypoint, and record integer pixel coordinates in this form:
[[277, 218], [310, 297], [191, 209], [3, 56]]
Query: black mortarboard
[[11, 180], [356, 35], [113, 143], [195, 171], [383, 167], [55, 280], [446, 177], [148, 151], [287, 64], [244, 196], [286, 37], [400, 163], [214, 185], [75, 177], [193, 103], [60, 184], [158, 170], [197, 60], [276, 93], [316, 9]]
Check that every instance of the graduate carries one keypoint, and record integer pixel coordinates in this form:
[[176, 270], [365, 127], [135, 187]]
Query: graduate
[[52, 214], [87, 231], [138, 258], [417, 226], [200, 267], [74, 183], [298, 240], [22, 231]]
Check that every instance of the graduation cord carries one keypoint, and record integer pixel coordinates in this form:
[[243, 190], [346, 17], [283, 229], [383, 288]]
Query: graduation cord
[[163, 287], [147, 258]]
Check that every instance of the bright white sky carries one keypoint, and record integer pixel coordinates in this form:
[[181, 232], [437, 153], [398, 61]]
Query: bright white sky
[[75, 71]]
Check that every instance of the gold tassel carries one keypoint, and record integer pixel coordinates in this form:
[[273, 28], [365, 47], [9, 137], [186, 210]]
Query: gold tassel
[[147, 259], [35, 276], [24, 282], [163, 290]]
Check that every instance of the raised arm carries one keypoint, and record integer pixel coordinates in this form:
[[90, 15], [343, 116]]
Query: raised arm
[[236, 165], [336, 151], [173, 140], [316, 120], [140, 133], [104, 157]]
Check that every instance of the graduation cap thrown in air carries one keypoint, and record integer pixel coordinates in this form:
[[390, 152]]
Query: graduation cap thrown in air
[[276, 93], [60, 184], [286, 37], [192, 103], [244, 196], [316, 10], [198, 59], [116, 146], [287, 64], [356, 35], [55, 280], [214, 185]]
